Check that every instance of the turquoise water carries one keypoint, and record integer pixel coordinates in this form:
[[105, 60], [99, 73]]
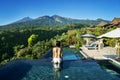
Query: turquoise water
[[68, 54], [43, 69], [71, 55]]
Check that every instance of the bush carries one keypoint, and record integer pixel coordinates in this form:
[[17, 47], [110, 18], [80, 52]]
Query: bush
[[24, 52]]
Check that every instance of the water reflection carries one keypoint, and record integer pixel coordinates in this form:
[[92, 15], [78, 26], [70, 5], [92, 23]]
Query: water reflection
[[57, 71]]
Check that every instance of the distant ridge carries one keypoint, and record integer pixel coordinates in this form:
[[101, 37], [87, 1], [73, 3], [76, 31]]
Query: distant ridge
[[24, 20], [54, 20]]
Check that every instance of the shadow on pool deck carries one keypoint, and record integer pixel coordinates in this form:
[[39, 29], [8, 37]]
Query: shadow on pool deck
[[15, 70]]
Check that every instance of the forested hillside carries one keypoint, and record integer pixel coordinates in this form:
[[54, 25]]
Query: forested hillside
[[30, 42]]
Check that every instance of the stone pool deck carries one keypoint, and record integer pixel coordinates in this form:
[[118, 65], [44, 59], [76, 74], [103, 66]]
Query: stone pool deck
[[105, 53]]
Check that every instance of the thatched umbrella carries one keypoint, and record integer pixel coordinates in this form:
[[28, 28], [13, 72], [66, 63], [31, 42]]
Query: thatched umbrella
[[88, 37]]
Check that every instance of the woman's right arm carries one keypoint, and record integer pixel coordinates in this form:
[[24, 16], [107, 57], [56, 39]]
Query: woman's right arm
[[61, 52]]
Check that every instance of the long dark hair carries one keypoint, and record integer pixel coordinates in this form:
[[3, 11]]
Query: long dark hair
[[57, 43]]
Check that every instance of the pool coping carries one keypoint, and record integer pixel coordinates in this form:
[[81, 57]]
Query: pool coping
[[114, 62]]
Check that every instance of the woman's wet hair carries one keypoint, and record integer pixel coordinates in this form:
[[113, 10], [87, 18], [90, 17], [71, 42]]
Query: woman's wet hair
[[58, 43]]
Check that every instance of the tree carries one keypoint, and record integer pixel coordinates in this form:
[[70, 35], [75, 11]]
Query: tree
[[98, 31], [17, 48], [32, 39]]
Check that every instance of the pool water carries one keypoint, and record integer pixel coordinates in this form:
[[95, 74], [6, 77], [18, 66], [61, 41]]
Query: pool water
[[68, 54], [109, 67], [73, 54], [43, 69]]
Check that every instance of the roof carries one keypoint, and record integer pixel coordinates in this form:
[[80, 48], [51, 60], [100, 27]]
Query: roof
[[88, 36], [102, 23], [115, 21], [112, 34]]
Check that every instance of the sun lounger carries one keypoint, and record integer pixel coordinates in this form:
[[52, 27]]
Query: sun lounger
[[92, 46]]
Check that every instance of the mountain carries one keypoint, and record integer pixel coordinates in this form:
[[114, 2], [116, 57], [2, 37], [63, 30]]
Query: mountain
[[23, 20], [54, 20]]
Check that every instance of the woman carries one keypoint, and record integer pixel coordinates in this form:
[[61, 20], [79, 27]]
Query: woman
[[57, 53]]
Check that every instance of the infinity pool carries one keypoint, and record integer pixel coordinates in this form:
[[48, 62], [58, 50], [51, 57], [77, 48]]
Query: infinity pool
[[68, 54], [42, 69]]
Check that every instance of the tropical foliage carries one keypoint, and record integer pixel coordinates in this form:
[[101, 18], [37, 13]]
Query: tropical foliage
[[33, 43]]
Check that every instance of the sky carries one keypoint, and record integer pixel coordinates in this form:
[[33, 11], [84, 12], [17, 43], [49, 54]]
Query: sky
[[13, 10]]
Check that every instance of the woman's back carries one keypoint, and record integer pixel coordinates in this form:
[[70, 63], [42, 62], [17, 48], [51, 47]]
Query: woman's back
[[57, 52]]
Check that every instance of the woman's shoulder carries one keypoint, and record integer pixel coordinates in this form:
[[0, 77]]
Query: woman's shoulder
[[56, 48]]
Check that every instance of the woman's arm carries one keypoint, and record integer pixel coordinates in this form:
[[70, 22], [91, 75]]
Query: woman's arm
[[53, 53], [61, 52]]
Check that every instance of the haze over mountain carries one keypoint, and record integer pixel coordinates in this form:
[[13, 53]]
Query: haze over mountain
[[54, 20]]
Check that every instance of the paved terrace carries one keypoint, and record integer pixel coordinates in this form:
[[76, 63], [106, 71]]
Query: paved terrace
[[106, 52]]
